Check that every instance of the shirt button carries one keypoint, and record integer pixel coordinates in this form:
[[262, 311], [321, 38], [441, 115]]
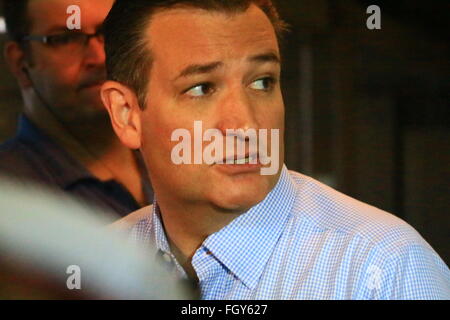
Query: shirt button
[[208, 253], [166, 257]]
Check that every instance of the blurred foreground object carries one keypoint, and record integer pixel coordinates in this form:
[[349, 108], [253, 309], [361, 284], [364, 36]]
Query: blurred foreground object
[[45, 238]]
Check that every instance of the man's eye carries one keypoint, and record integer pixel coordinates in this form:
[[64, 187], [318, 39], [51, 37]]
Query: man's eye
[[200, 90], [263, 84]]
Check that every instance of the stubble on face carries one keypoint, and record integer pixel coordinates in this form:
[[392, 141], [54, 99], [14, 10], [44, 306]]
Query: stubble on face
[[70, 84], [179, 38]]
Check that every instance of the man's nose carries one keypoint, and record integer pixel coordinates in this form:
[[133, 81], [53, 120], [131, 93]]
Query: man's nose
[[94, 54], [237, 111]]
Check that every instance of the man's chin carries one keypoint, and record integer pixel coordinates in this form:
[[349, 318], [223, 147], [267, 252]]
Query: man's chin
[[239, 192], [239, 202], [89, 114], [91, 96], [90, 103]]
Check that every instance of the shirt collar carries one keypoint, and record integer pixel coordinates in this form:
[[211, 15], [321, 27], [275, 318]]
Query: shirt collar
[[158, 233], [159, 239], [64, 169], [245, 245]]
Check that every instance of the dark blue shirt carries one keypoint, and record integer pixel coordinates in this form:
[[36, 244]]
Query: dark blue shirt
[[32, 155]]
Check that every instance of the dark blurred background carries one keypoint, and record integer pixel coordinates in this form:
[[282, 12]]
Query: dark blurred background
[[367, 111]]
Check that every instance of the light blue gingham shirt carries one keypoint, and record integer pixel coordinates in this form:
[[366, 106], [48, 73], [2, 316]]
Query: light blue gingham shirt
[[308, 241]]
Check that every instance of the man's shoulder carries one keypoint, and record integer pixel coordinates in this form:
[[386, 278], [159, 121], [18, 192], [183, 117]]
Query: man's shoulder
[[134, 219], [11, 146], [15, 158], [343, 233], [327, 209], [37, 159], [25, 161]]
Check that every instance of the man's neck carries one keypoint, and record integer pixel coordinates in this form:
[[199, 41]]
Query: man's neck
[[188, 225], [86, 142], [95, 146]]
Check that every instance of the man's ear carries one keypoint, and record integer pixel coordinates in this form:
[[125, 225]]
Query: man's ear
[[16, 60], [122, 105]]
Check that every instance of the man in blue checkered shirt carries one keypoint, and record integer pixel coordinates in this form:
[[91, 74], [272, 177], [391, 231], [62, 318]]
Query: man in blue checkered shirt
[[238, 232]]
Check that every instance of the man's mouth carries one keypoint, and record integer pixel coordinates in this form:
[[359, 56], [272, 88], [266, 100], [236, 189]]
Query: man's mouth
[[247, 159]]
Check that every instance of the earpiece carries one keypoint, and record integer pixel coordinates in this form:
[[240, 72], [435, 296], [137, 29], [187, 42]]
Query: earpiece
[[125, 115], [118, 100]]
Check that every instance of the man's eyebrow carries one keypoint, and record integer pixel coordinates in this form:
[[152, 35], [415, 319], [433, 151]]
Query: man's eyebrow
[[196, 69], [265, 57]]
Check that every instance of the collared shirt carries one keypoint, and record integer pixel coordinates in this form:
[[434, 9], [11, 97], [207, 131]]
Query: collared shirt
[[32, 155], [308, 241]]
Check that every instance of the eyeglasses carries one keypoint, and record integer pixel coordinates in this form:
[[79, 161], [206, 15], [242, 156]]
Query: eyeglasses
[[67, 42]]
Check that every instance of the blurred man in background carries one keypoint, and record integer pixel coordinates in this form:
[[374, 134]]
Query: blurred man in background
[[64, 138]]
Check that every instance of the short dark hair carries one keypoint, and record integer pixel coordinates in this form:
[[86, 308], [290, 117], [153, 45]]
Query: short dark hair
[[128, 59], [17, 21]]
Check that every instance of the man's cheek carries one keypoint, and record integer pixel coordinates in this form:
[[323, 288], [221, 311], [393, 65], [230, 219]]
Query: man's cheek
[[160, 137]]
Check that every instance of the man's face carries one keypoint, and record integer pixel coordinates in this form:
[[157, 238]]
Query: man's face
[[68, 80], [234, 84]]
